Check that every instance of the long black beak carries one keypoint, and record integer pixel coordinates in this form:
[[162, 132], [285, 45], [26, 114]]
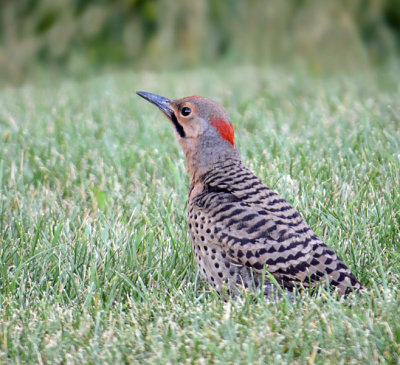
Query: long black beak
[[159, 101], [163, 104]]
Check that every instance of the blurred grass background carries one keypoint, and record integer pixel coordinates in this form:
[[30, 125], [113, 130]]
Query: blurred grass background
[[81, 37], [96, 264]]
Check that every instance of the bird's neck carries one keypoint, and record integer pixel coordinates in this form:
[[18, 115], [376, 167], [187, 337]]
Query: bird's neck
[[205, 154], [199, 168]]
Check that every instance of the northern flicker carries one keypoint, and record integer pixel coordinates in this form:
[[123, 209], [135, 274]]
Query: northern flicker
[[243, 233]]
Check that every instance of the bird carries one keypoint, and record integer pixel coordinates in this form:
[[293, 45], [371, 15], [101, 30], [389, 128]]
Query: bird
[[245, 236]]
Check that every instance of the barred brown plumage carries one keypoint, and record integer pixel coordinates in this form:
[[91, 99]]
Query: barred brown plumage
[[240, 228]]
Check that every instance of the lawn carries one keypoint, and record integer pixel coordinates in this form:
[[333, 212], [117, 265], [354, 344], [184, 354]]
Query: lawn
[[95, 259]]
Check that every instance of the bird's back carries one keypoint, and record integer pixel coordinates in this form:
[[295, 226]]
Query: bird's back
[[240, 227]]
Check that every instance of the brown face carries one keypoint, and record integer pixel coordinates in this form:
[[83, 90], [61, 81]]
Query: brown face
[[193, 115], [196, 114], [187, 116], [182, 113], [203, 128]]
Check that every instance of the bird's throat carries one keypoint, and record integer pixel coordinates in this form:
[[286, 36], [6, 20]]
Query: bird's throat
[[178, 126]]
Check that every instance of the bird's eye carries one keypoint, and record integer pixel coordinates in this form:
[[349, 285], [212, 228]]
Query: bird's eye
[[186, 111]]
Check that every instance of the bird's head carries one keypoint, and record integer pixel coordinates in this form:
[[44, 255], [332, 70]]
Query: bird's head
[[203, 129]]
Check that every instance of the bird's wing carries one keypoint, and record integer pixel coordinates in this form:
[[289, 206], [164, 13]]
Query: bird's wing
[[256, 237]]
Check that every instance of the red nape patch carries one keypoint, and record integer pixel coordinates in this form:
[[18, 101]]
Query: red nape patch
[[225, 129]]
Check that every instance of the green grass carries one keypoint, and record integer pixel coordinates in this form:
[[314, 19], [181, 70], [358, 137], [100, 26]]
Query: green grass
[[95, 259]]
